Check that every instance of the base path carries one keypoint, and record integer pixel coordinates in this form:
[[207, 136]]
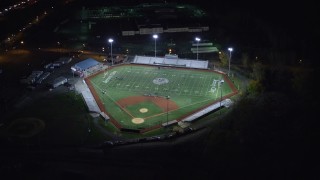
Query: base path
[[159, 101]]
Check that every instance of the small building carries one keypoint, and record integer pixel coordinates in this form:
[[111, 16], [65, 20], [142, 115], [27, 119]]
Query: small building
[[86, 67], [47, 66], [31, 79], [171, 56], [116, 58], [56, 65], [58, 81], [42, 77], [64, 60]]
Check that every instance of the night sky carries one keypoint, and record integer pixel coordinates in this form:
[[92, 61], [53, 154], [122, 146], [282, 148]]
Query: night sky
[[296, 21]]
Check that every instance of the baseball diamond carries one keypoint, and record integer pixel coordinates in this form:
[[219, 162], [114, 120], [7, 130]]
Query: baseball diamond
[[144, 96]]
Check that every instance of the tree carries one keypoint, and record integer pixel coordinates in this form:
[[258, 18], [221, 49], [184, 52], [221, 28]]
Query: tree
[[255, 87], [224, 59], [258, 71], [245, 60]]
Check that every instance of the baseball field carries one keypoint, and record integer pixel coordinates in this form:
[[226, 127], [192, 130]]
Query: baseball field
[[145, 97]]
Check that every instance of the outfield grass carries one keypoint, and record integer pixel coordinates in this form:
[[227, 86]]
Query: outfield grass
[[189, 89]]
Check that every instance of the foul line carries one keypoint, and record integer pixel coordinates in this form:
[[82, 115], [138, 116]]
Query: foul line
[[113, 100]]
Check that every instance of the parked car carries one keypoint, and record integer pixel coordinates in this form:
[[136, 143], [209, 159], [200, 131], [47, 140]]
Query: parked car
[[188, 130], [107, 144], [153, 138]]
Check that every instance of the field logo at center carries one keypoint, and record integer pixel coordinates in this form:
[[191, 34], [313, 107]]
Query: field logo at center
[[160, 81]]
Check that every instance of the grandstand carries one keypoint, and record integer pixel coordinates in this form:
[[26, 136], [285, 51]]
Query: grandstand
[[198, 114], [204, 48], [175, 62]]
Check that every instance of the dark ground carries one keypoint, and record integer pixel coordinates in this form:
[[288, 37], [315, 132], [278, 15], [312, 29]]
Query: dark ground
[[270, 142]]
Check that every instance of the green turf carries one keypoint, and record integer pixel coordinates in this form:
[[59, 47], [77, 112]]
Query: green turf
[[189, 89], [65, 121]]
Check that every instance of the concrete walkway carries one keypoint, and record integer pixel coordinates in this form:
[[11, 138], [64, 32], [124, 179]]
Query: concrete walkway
[[81, 87]]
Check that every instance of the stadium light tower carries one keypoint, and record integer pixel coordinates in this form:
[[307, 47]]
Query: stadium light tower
[[155, 37], [197, 39], [59, 46], [111, 41], [221, 82], [230, 50]]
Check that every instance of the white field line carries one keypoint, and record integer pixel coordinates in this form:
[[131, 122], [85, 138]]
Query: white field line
[[113, 100], [178, 109], [203, 82], [110, 77], [204, 86], [135, 79]]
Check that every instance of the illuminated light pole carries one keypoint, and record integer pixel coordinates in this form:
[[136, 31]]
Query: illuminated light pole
[[21, 42], [230, 50], [167, 97], [73, 70], [111, 41], [155, 37], [221, 82], [197, 39], [59, 47]]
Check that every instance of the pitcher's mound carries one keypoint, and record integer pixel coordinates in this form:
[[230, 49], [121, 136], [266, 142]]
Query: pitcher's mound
[[137, 120], [143, 110]]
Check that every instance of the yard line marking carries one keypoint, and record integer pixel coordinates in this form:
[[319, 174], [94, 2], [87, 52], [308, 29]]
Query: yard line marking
[[205, 85], [146, 80], [134, 77]]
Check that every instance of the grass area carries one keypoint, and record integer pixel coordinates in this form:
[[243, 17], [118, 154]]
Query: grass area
[[190, 89], [111, 128], [65, 120], [26, 127], [65, 117], [115, 131]]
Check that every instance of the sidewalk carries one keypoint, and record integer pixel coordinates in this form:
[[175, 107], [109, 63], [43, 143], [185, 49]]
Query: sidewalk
[[81, 87]]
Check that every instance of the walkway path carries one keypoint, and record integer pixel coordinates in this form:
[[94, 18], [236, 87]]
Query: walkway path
[[81, 87]]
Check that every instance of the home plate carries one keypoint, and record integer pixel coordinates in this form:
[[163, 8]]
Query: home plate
[[143, 110], [137, 120]]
